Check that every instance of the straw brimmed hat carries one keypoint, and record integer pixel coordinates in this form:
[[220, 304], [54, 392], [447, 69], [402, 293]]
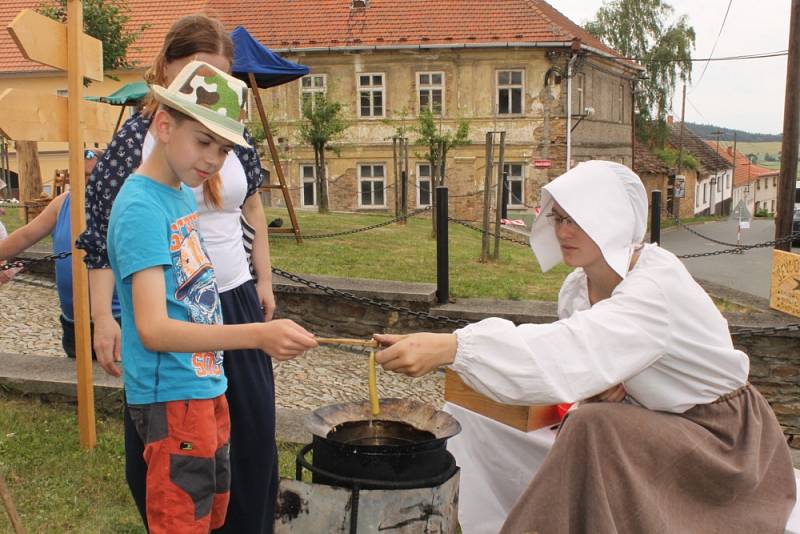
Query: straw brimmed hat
[[210, 96]]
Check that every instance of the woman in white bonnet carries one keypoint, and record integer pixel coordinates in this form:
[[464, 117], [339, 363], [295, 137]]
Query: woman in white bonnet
[[691, 447]]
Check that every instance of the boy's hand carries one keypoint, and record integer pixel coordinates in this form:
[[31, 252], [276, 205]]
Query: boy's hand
[[283, 339], [416, 354], [107, 342]]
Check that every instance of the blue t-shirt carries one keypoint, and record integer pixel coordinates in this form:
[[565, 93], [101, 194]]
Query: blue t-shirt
[[152, 225], [62, 242]]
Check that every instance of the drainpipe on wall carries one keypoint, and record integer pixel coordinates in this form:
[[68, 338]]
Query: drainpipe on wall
[[576, 46]]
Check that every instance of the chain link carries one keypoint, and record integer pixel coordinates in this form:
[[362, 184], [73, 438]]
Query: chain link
[[354, 230]]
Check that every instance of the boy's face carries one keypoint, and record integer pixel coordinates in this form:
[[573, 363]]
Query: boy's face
[[193, 152]]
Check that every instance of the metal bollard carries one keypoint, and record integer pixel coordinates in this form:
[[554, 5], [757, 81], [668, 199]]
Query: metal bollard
[[655, 217], [442, 249]]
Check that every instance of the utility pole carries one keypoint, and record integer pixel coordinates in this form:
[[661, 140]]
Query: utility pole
[[715, 183], [676, 202], [791, 133]]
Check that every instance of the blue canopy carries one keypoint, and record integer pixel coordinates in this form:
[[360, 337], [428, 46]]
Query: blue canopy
[[269, 68]]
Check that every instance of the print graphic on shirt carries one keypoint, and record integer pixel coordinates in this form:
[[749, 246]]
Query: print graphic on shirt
[[196, 286]]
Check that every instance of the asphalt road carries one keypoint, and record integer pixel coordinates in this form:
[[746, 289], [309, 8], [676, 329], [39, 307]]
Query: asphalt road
[[748, 272]]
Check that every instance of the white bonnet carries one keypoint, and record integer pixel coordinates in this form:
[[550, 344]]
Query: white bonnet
[[607, 200]]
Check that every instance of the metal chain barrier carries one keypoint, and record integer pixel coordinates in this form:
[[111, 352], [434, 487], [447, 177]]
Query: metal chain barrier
[[368, 301], [742, 248], [480, 230], [686, 227], [355, 230], [441, 319]]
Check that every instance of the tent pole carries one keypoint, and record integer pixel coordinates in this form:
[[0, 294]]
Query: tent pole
[[119, 119], [275, 158]]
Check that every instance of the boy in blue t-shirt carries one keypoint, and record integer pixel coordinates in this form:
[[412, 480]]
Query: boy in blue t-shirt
[[172, 331]]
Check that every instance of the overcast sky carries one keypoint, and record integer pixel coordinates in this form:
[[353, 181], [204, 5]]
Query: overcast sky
[[745, 95]]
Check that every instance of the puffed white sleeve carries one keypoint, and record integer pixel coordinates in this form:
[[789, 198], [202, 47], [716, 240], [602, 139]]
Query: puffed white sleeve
[[571, 359]]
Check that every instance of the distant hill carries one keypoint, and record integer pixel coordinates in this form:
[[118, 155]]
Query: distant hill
[[706, 131]]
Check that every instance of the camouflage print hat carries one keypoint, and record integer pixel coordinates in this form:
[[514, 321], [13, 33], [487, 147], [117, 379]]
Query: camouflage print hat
[[212, 97]]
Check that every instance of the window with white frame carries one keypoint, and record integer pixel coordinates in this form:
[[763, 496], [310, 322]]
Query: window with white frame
[[308, 194], [705, 193], [516, 183], [697, 195], [312, 85], [430, 92], [510, 89], [370, 95], [424, 189], [621, 104], [371, 185]]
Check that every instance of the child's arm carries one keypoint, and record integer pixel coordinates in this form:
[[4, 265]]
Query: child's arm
[[22, 238], [107, 341], [282, 339]]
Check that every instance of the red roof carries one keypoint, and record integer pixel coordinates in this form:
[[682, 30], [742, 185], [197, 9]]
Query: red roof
[[746, 171], [323, 24]]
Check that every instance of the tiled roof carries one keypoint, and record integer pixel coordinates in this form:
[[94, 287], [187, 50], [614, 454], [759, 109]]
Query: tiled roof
[[322, 24], [646, 162], [745, 171], [298, 24], [708, 158]]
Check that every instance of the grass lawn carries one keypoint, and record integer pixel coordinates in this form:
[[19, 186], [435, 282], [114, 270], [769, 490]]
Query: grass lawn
[[408, 253], [57, 486]]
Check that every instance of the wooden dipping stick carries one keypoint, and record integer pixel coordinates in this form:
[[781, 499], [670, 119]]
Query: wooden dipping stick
[[371, 343]]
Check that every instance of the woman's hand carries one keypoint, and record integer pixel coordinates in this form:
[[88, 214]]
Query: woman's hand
[[613, 394], [107, 342], [415, 354], [266, 297]]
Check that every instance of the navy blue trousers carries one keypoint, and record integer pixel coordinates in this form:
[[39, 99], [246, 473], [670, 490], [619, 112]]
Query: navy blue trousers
[[251, 402]]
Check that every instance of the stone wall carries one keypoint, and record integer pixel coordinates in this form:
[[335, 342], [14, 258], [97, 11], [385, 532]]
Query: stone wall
[[773, 359]]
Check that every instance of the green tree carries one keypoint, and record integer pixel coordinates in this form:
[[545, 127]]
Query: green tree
[[438, 141], [323, 122], [648, 31], [105, 20]]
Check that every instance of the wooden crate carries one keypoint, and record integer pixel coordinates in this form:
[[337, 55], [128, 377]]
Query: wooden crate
[[524, 418]]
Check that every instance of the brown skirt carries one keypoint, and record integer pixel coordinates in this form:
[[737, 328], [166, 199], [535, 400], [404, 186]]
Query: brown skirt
[[722, 467]]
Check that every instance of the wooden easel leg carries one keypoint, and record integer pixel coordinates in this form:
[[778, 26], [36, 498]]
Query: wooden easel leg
[[276, 161], [8, 504]]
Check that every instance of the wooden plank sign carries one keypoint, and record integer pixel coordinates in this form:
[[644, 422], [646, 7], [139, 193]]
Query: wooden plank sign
[[784, 292], [26, 116], [524, 418], [43, 40]]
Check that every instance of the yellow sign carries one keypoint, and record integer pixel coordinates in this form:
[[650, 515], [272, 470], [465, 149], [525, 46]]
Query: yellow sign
[[43, 117], [785, 288], [44, 40]]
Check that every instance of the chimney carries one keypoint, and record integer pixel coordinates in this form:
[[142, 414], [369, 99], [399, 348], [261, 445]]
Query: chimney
[[669, 119], [359, 4], [730, 151]]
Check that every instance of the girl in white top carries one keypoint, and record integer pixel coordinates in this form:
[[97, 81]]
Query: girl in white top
[[693, 448]]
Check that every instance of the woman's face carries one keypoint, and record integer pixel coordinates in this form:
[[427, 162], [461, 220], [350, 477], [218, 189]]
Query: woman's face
[[216, 60], [577, 247]]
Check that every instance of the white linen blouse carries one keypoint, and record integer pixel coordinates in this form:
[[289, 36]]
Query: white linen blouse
[[659, 334]]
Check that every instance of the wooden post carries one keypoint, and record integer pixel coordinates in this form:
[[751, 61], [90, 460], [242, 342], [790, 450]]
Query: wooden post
[[499, 200], [487, 187], [396, 178], [30, 175], [791, 134], [80, 277]]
